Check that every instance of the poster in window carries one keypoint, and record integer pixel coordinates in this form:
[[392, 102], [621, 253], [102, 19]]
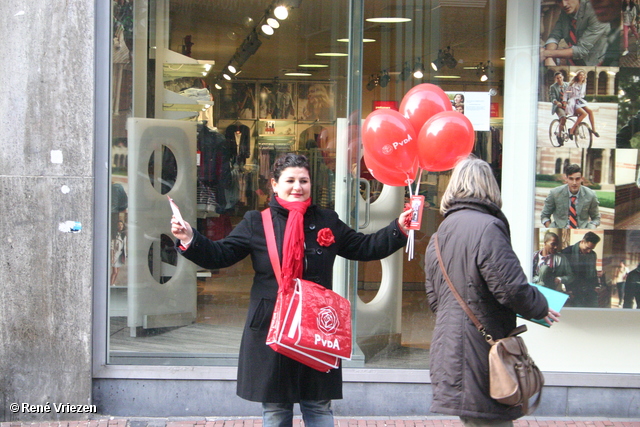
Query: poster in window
[[316, 102], [238, 101]]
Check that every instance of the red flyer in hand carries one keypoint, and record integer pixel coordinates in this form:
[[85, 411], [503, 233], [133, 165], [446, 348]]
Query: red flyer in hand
[[417, 204]]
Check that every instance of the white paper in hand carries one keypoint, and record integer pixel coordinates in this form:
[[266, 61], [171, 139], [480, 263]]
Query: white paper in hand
[[176, 212]]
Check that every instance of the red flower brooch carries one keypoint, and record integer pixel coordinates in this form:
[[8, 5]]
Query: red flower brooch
[[325, 237]]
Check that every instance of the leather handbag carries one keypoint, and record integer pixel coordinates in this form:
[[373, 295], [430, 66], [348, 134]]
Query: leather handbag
[[310, 323], [514, 377]]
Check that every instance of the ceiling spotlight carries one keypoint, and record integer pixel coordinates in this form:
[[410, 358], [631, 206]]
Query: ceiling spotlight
[[445, 57], [418, 71], [384, 79], [273, 23], [231, 69], [405, 73], [281, 12], [373, 82], [449, 60], [438, 63], [267, 29], [217, 86], [226, 76], [484, 70]]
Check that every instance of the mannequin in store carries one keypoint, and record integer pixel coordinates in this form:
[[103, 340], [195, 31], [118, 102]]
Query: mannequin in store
[[309, 239]]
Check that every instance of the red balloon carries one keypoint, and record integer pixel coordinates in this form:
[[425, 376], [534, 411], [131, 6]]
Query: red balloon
[[444, 140], [389, 139], [421, 102], [389, 175]]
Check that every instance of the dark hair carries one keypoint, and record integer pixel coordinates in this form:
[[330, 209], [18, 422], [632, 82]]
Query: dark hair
[[289, 160], [550, 235], [571, 169], [591, 237], [558, 72]]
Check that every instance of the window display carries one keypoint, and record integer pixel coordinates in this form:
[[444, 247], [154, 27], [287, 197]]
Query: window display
[[586, 166]]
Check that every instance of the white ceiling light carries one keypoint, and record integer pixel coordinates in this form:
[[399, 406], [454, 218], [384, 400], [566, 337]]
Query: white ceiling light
[[297, 74], [281, 12], [273, 23], [313, 66], [388, 20], [331, 54], [363, 40], [267, 29]]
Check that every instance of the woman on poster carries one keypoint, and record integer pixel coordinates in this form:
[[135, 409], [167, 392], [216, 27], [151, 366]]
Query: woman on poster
[[629, 14], [577, 105]]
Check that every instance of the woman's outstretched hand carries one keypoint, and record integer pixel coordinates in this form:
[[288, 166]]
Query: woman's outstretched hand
[[404, 219], [185, 234]]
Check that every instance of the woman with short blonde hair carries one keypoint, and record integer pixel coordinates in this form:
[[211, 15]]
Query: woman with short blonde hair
[[476, 252], [472, 178]]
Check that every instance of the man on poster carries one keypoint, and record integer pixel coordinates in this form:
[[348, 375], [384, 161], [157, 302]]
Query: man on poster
[[582, 259], [558, 104], [572, 205], [608, 11], [585, 36]]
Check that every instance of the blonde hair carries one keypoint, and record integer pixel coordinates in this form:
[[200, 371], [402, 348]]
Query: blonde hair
[[471, 178]]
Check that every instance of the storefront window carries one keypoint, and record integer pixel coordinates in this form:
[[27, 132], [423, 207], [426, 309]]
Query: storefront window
[[459, 48], [203, 100]]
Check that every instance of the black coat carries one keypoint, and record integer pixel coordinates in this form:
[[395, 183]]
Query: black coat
[[476, 250], [263, 374]]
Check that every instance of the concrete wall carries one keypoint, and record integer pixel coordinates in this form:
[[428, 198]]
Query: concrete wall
[[46, 178], [166, 398]]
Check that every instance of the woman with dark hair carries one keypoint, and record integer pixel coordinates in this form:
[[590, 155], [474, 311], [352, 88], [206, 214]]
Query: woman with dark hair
[[476, 252], [308, 239]]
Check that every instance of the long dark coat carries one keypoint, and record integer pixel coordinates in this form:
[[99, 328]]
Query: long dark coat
[[476, 250], [263, 374]]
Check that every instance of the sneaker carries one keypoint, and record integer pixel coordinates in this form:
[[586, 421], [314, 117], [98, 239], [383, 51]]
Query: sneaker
[[625, 53], [560, 141]]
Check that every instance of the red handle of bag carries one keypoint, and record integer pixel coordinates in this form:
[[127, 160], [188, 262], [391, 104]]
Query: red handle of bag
[[270, 236]]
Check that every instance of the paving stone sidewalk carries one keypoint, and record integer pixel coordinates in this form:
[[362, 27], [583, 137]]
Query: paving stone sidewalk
[[339, 422]]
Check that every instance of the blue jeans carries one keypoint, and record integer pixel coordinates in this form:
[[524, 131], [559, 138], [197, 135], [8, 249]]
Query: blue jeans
[[315, 413]]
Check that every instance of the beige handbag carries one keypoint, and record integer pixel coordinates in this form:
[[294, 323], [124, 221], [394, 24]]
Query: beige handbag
[[514, 377]]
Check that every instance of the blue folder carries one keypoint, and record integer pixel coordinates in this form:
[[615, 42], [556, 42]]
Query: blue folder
[[555, 300]]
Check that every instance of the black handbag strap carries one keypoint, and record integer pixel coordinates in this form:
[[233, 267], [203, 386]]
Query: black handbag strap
[[456, 294]]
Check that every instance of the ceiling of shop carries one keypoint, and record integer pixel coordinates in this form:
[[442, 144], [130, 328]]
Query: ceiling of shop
[[473, 29]]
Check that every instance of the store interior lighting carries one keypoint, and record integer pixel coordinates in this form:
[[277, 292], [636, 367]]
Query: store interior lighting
[[265, 26], [418, 71], [405, 73], [484, 71], [445, 58], [373, 82], [384, 79]]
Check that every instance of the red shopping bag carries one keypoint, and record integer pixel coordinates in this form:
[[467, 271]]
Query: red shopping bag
[[306, 324], [282, 324], [325, 320]]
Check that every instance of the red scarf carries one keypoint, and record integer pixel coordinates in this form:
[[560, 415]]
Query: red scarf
[[293, 243]]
